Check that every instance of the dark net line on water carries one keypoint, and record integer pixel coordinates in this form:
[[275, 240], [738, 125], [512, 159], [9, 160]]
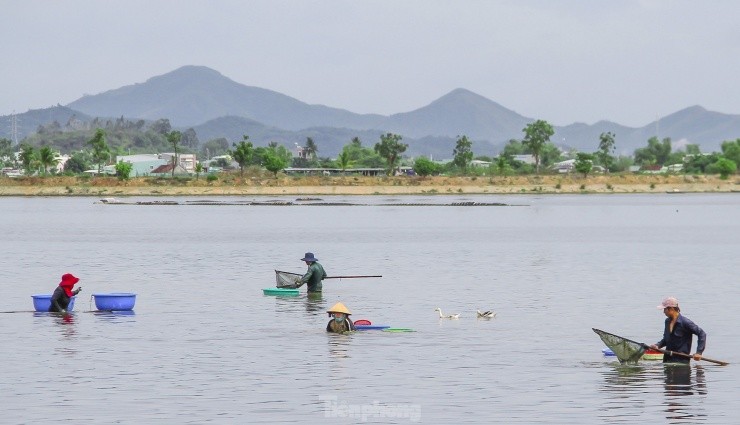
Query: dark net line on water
[[108, 201]]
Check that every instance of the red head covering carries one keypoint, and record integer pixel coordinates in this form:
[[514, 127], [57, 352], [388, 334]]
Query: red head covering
[[68, 282]]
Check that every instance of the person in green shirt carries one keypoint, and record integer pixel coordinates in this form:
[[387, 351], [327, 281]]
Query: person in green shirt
[[314, 275]]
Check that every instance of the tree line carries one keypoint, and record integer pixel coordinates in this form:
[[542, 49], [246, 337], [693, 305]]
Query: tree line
[[98, 142]]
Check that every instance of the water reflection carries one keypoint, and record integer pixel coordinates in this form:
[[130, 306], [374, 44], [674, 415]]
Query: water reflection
[[65, 323], [679, 385], [62, 320], [624, 377], [339, 345], [117, 316], [339, 371], [315, 303], [631, 387], [65, 319]]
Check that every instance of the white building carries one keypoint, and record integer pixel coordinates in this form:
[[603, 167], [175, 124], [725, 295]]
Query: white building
[[185, 160]]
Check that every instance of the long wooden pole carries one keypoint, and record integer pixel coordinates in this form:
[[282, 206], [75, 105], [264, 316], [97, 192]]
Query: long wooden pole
[[688, 356], [332, 277], [349, 277]]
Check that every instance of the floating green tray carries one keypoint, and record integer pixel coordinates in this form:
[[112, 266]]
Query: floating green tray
[[398, 330], [286, 292]]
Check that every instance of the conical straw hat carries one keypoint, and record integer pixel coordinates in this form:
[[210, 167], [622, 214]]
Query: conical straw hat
[[339, 308]]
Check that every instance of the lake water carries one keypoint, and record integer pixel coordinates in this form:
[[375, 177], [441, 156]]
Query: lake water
[[205, 346]]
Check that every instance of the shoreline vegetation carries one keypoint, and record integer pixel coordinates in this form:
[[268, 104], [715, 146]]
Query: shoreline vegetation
[[235, 185]]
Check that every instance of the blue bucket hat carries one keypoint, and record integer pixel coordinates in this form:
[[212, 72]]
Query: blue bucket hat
[[309, 257]]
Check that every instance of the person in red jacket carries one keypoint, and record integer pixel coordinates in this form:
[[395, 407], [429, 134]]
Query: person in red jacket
[[64, 293]]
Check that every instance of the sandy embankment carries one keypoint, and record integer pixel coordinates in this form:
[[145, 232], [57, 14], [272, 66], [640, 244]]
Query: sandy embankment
[[348, 185]]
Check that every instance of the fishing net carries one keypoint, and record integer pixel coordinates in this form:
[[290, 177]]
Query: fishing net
[[626, 350], [286, 279]]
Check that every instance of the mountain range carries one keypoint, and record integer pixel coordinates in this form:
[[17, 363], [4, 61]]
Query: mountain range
[[215, 106]]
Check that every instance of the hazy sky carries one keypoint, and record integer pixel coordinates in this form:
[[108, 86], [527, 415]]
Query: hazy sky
[[560, 60]]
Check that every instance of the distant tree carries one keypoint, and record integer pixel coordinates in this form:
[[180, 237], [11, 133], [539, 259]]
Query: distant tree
[[198, 170], [725, 167], [390, 148], [190, 139], [28, 158], [584, 163], [656, 152], [536, 135], [693, 149], [174, 137], [214, 147], [77, 163], [354, 149], [606, 148], [273, 148], [274, 162], [162, 126], [425, 167], [300, 162], [463, 153], [344, 161], [362, 156], [502, 165], [310, 149], [622, 163], [47, 158], [222, 163], [550, 154], [513, 147], [243, 153], [123, 170], [6, 150], [731, 150], [101, 151], [700, 164], [675, 157]]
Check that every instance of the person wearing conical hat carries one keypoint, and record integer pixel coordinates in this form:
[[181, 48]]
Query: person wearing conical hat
[[314, 275], [63, 293], [340, 322]]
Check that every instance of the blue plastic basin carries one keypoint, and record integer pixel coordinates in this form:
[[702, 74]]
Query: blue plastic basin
[[115, 301], [43, 302]]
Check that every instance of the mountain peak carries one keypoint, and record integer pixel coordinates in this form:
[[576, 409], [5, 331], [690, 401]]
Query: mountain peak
[[464, 94], [190, 73]]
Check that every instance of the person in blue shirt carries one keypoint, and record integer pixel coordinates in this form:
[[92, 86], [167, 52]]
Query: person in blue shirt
[[678, 334]]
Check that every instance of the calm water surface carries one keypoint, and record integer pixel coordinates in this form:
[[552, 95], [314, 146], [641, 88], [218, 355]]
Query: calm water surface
[[205, 346]]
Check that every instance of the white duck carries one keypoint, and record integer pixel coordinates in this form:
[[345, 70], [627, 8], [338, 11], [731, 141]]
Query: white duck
[[486, 314], [447, 316]]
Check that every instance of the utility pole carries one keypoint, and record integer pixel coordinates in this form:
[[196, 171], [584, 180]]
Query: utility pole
[[14, 128]]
